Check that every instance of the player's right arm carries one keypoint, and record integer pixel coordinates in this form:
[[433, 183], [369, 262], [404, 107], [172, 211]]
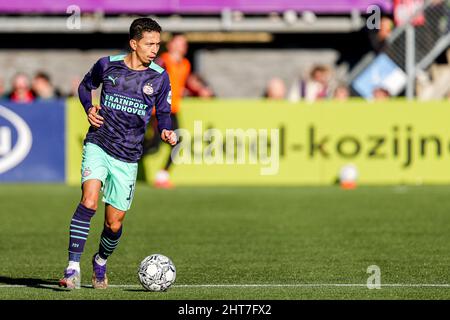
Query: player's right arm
[[163, 109], [92, 81]]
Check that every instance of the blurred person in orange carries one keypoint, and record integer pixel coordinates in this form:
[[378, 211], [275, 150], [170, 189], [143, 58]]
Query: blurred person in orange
[[179, 69]]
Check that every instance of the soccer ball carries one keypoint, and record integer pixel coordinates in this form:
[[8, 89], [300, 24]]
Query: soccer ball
[[157, 273]]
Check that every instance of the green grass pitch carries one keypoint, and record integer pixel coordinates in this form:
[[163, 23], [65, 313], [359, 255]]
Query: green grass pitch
[[238, 242]]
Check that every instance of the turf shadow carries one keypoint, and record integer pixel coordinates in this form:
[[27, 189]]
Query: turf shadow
[[135, 290], [31, 283]]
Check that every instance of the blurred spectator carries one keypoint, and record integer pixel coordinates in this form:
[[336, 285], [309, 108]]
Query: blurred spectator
[[404, 9], [74, 84], [275, 89], [341, 93], [381, 94], [43, 88], [378, 37], [21, 91], [197, 87], [179, 69], [2, 88], [314, 88]]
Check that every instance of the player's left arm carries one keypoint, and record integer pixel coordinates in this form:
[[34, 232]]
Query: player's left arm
[[163, 109]]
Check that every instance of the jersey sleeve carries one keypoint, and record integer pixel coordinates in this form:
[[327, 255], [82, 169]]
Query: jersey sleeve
[[164, 104], [91, 81]]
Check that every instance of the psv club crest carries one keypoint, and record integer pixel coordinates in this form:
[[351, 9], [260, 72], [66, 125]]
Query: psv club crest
[[87, 172], [148, 89]]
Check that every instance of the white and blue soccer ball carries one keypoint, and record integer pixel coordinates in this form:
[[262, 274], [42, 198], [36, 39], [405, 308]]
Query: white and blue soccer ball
[[157, 273]]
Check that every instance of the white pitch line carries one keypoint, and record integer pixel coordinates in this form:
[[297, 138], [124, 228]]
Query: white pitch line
[[261, 285], [305, 285]]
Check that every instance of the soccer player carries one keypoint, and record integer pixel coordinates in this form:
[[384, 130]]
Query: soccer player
[[131, 85]]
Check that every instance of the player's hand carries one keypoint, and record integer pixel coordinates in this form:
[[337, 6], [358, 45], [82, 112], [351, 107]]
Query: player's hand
[[93, 117], [169, 136]]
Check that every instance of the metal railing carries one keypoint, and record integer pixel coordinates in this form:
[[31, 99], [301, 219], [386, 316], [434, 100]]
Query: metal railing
[[424, 35]]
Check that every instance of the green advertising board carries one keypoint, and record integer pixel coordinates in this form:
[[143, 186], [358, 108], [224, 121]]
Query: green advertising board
[[259, 142]]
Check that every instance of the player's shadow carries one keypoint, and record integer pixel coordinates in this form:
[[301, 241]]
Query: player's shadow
[[31, 283], [135, 290]]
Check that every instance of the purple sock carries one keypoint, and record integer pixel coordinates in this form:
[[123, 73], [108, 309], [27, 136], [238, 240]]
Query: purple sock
[[108, 242], [79, 230]]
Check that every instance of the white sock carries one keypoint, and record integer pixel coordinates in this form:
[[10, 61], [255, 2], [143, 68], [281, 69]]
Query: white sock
[[100, 260], [74, 265]]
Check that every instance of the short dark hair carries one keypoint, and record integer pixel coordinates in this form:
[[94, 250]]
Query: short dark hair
[[142, 25], [42, 75], [318, 68]]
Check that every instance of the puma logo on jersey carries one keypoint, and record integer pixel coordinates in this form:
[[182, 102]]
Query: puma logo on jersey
[[113, 80]]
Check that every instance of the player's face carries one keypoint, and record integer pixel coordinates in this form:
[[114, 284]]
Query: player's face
[[147, 47]]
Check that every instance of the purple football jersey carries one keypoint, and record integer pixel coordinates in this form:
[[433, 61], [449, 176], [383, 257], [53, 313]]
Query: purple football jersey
[[127, 100]]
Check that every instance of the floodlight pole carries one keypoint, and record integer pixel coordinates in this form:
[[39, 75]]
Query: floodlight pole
[[410, 52]]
